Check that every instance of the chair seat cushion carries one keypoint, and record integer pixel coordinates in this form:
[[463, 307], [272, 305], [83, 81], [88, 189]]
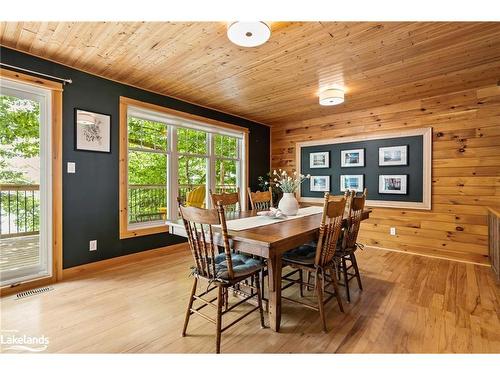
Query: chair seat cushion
[[304, 254], [242, 265]]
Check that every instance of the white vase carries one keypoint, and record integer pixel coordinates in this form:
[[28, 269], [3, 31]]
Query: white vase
[[288, 204]]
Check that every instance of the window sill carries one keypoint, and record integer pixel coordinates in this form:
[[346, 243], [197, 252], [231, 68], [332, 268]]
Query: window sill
[[143, 231]]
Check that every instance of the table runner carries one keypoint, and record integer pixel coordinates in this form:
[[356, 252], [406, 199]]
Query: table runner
[[259, 221]]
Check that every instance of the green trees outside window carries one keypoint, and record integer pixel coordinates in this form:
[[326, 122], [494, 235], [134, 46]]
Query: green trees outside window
[[226, 163], [192, 147], [19, 166], [147, 170], [192, 154], [148, 159]]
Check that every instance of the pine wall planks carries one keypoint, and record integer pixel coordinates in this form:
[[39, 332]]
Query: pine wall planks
[[465, 169]]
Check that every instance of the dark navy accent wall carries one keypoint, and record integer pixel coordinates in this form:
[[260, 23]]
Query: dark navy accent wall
[[371, 170], [90, 197]]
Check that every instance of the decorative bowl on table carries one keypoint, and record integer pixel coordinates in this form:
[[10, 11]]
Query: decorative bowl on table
[[273, 213]]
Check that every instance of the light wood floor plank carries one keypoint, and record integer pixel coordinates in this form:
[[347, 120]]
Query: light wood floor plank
[[410, 304]]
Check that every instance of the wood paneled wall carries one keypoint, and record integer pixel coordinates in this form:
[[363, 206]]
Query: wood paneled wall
[[465, 169]]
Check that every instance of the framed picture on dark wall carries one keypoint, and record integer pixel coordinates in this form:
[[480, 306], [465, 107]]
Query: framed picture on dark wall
[[320, 183], [396, 155], [352, 158], [92, 131], [319, 160], [392, 184], [351, 182]]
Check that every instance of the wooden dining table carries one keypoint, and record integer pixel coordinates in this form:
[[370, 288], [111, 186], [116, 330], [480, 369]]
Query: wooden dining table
[[269, 242]]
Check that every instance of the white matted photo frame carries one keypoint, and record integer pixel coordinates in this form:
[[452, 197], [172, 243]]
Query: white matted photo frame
[[320, 183], [319, 159], [92, 131], [352, 182], [352, 158], [393, 184], [394, 155]]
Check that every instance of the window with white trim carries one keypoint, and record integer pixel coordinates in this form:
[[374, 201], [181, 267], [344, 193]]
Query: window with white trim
[[170, 157]]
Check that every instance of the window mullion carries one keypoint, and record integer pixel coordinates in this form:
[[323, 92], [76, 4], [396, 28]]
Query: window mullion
[[211, 168], [241, 172], [173, 175]]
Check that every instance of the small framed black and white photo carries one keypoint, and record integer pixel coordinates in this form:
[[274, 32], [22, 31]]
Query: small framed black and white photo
[[351, 182], [352, 158], [319, 160], [320, 183], [395, 155], [92, 131], [392, 184]]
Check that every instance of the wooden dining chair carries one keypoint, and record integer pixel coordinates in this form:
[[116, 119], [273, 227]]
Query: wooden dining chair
[[347, 196], [346, 248], [220, 271], [261, 200], [230, 201], [318, 260]]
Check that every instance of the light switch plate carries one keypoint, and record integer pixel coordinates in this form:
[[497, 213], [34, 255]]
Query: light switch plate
[[93, 245], [71, 167]]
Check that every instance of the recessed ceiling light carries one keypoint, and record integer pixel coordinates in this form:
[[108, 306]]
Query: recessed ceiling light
[[332, 96], [248, 34]]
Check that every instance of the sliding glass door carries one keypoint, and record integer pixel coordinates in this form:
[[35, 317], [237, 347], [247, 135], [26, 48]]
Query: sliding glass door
[[25, 183]]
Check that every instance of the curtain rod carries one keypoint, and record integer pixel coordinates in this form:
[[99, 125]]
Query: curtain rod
[[63, 80]]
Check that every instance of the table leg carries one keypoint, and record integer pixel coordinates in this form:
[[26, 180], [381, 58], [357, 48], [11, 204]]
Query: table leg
[[274, 278]]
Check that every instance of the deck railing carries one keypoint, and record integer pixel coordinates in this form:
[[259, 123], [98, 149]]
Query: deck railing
[[20, 205], [149, 202], [146, 202], [19, 210]]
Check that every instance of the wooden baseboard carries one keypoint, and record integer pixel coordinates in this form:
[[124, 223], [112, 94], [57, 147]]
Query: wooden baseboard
[[84, 269], [450, 258]]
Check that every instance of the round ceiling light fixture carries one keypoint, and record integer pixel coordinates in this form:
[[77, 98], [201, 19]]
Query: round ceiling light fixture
[[248, 34], [332, 96]]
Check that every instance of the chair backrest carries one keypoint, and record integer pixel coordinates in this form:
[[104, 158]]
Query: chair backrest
[[196, 197], [353, 222], [230, 201], [261, 200], [330, 228], [348, 194], [198, 223]]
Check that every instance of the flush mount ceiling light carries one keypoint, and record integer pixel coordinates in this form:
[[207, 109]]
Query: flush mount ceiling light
[[332, 96], [248, 34]]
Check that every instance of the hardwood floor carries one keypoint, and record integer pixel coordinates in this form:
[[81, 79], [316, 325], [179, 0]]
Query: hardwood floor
[[410, 304]]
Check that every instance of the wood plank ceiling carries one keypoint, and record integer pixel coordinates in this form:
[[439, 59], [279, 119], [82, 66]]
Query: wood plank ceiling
[[278, 82]]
